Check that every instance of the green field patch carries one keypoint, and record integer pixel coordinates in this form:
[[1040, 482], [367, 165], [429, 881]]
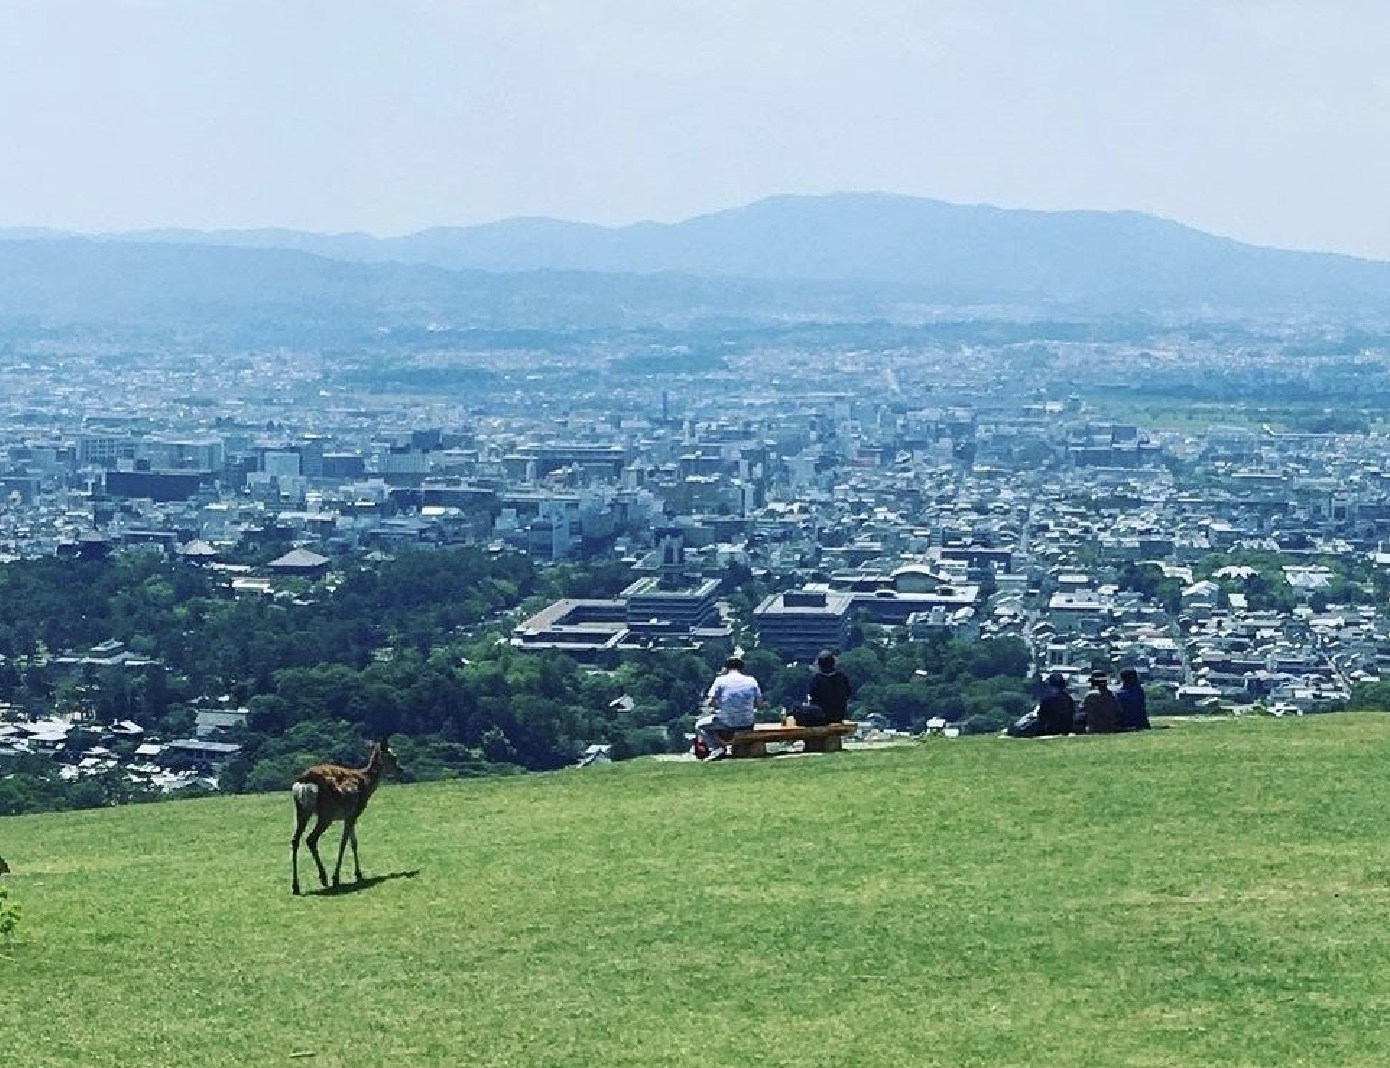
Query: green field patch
[[1183, 897]]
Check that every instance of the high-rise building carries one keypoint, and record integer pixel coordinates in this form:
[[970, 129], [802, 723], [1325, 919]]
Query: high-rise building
[[798, 624]]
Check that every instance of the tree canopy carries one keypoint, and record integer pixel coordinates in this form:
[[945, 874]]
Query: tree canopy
[[414, 646]]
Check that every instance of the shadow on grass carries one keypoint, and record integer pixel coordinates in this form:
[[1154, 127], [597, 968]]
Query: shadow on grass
[[365, 884]]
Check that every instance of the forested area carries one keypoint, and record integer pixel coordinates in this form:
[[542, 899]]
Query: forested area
[[413, 646]]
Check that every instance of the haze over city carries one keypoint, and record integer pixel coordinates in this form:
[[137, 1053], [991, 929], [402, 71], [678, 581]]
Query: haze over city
[[1261, 121]]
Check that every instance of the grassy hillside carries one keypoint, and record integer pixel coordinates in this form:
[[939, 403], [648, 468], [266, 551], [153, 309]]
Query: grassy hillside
[[1212, 894]]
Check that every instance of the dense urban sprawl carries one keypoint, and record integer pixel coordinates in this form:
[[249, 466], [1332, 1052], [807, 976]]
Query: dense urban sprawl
[[1208, 506]]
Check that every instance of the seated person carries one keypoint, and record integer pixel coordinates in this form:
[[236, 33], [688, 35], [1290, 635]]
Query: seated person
[[1134, 706], [1056, 709], [828, 696], [734, 697], [1101, 710]]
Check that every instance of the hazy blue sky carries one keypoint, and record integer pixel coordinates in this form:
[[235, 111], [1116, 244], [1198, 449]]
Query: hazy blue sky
[[1262, 119]]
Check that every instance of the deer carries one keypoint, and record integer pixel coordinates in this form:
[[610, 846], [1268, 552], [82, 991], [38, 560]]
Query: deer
[[331, 792]]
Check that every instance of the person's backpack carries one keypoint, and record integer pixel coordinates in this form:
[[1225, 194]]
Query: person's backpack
[[809, 715], [699, 750], [1028, 725]]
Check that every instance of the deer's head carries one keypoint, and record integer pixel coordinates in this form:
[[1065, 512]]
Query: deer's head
[[382, 756]]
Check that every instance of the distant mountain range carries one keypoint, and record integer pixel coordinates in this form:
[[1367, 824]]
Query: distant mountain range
[[872, 246]]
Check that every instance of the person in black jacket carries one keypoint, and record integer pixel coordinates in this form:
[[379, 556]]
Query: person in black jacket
[[829, 694], [1134, 707], [1056, 709]]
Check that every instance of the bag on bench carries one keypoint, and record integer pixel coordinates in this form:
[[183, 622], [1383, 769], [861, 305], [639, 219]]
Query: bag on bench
[[809, 715]]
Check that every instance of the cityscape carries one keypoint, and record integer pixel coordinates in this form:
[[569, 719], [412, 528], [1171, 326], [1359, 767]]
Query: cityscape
[[1093, 494]]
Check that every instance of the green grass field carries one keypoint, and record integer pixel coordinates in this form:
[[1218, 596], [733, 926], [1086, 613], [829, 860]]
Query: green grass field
[[1210, 894]]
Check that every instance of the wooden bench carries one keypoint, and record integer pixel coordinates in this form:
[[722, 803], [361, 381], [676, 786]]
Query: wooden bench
[[753, 743]]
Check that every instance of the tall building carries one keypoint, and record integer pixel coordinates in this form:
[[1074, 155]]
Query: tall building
[[671, 605], [103, 450], [800, 623]]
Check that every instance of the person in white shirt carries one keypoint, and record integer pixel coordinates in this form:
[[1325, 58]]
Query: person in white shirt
[[734, 697]]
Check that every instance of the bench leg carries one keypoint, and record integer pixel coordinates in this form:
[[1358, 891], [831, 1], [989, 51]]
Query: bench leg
[[748, 749], [830, 743]]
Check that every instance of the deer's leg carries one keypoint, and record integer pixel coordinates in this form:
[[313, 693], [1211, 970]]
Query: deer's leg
[[313, 841], [301, 820], [356, 867], [348, 825]]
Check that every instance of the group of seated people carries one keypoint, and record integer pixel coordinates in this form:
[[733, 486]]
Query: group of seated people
[[1101, 712], [735, 697]]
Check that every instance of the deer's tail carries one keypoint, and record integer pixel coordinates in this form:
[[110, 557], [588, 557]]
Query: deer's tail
[[306, 796]]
